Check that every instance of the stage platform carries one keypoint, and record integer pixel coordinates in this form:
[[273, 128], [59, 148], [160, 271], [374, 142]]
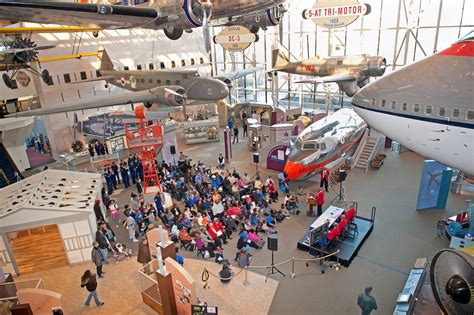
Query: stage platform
[[348, 247]]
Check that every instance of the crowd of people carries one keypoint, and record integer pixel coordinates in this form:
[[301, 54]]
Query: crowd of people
[[216, 205], [97, 148], [128, 171], [209, 207]]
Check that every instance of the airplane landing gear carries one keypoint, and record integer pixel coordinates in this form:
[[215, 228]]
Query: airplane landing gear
[[173, 33]]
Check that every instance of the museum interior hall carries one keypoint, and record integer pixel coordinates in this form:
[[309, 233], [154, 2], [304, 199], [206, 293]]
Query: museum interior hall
[[237, 157]]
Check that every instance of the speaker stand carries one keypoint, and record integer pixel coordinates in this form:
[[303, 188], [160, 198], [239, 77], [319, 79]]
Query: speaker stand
[[272, 269], [340, 199]]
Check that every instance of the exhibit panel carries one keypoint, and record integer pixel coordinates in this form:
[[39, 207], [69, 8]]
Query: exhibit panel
[[5, 260], [77, 238]]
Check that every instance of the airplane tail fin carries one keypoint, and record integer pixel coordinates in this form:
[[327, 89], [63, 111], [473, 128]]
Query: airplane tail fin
[[279, 59], [105, 61]]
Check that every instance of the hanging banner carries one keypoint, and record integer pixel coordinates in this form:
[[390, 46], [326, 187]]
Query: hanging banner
[[235, 38], [336, 13]]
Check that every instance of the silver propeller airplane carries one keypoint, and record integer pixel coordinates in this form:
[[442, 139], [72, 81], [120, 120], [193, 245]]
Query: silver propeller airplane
[[349, 72], [165, 87], [172, 16]]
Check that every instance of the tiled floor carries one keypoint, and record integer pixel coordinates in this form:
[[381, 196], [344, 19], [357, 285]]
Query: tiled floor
[[120, 289]]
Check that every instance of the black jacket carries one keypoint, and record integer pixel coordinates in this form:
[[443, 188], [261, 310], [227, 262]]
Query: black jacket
[[98, 212], [102, 239], [91, 285]]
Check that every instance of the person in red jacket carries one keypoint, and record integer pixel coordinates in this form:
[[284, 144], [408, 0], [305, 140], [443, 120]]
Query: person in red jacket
[[218, 226], [320, 201], [234, 212], [324, 173]]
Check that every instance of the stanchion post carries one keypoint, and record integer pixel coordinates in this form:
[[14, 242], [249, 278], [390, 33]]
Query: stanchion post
[[292, 267], [246, 281]]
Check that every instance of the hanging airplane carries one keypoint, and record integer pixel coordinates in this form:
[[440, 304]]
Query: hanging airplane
[[349, 72], [324, 142], [427, 106], [18, 53], [164, 87], [172, 16]]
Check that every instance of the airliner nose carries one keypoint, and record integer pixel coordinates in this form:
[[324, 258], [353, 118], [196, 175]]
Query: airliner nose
[[292, 170], [208, 90]]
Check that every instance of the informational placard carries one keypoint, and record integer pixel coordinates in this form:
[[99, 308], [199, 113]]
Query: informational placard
[[235, 38], [276, 158], [434, 186], [183, 285], [117, 144], [336, 13]]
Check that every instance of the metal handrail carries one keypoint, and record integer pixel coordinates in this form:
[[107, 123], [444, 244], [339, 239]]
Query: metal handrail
[[360, 148], [372, 215]]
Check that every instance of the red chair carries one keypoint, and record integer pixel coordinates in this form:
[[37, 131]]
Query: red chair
[[350, 215], [337, 231], [342, 228]]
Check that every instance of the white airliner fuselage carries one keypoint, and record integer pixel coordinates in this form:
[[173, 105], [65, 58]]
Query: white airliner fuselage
[[428, 107]]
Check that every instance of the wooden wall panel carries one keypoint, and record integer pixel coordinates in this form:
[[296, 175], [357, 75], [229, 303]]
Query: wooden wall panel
[[38, 249]]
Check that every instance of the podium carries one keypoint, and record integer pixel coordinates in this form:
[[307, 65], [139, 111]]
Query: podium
[[311, 203]]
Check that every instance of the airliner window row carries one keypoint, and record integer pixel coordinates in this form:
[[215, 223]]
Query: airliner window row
[[173, 64], [428, 109], [83, 76]]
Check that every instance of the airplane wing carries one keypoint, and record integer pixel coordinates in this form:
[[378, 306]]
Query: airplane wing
[[96, 102], [330, 78], [103, 16], [241, 73]]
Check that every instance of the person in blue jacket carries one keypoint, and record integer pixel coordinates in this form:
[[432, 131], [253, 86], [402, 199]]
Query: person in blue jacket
[[124, 173], [159, 204], [115, 170], [131, 167], [108, 180]]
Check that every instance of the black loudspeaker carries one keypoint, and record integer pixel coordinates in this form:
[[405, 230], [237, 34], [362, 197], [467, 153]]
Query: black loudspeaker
[[342, 175], [255, 158], [172, 149], [273, 242]]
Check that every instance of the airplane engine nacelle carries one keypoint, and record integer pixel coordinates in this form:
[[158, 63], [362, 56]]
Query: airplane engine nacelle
[[169, 96], [348, 87], [226, 81], [190, 14], [264, 19], [376, 66]]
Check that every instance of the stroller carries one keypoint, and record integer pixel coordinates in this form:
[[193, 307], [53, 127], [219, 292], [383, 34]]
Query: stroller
[[120, 251]]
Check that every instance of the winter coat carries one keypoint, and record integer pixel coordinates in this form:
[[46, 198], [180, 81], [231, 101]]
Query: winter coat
[[144, 255], [96, 257], [90, 284]]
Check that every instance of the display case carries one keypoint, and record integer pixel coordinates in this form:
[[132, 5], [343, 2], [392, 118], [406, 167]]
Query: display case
[[200, 131]]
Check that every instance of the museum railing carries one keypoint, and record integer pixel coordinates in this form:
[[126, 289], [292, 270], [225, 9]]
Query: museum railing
[[8, 289]]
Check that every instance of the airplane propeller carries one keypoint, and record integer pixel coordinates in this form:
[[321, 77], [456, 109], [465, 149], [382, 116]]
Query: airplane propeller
[[183, 95], [205, 25]]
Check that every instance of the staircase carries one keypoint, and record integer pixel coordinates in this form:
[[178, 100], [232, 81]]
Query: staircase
[[364, 158], [7, 167]]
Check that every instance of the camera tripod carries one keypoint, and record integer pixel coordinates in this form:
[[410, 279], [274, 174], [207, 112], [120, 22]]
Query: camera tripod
[[272, 269]]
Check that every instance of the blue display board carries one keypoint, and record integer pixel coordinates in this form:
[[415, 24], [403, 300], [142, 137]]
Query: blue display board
[[434, 186]]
